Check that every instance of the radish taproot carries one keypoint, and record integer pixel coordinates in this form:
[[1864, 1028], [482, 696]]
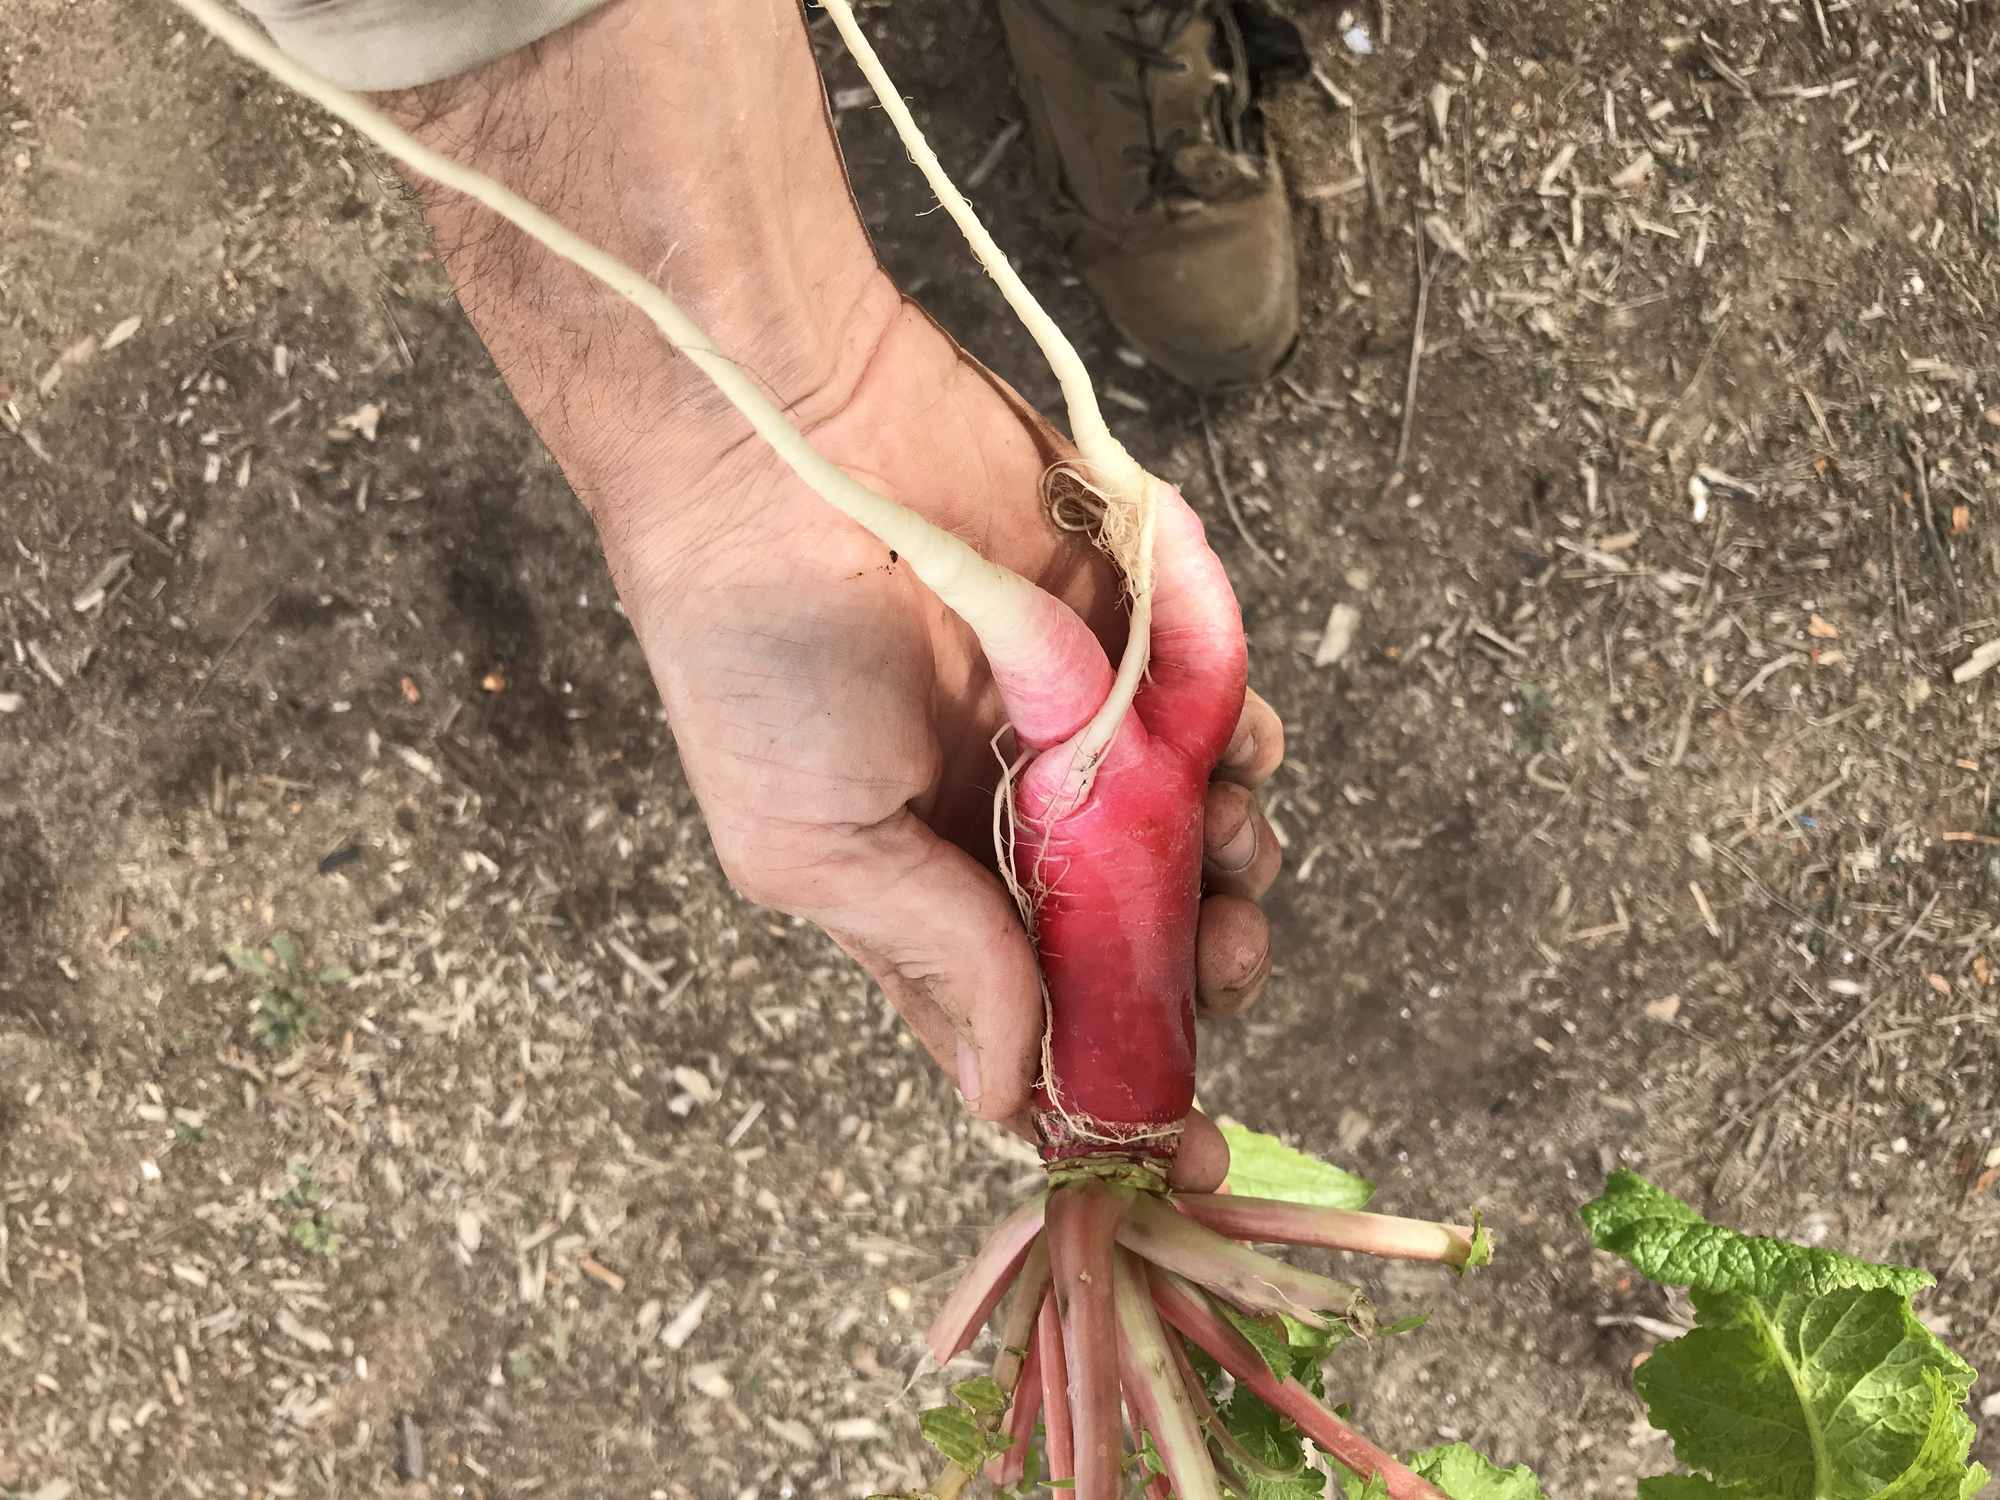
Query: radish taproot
[[1100, 822]]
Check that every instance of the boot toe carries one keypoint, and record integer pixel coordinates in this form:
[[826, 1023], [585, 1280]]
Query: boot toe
[[1213, 299]]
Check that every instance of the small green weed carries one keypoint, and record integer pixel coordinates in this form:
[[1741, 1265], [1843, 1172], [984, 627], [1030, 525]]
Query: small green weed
[[313, 1227], [283, 1008]]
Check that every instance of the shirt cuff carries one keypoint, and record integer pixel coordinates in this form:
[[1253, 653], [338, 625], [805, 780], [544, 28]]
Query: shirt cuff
[[377, 45]]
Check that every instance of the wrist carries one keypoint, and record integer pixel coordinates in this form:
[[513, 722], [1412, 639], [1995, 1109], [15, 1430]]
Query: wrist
[[630, 127]]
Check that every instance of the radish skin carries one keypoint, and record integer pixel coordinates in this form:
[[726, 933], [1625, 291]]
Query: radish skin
[[1118, 872]]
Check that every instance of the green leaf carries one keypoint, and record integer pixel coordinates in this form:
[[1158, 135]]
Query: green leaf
[[1671, 1243], [1266, 1336], [982, 1394], [1145, 1460], [1461, 1471], [246, 960], [1464, 1473], [1808, 1375], [1680, 1487], [287, 948], [1812, 1398], [1354, 1487], [953, 1432], [1262, 1166], [335, 974], [1481, 1253], [1272, 1463]]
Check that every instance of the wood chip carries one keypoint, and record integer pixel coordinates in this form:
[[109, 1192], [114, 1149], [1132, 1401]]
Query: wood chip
[[697, 1083], [363, 422], [794, 1432], [409, 1449], [1343, 622], [122, 333], [93, 593], [680, 1328], [299, 1333], [1983, 660], [710, 1380], [1634, 172], [470, 1231]]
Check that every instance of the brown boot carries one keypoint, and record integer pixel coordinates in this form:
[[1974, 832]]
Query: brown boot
[[1145, 120]]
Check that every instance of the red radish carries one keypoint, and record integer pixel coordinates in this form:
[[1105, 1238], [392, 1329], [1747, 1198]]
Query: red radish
[[1103, 822]]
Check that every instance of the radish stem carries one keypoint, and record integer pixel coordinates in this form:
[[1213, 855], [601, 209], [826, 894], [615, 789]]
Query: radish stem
[[1056, 1434], [1083, 1221], [1153, 1385], [1253, 1281], [1273, 1222], [985, 1281], [1021, 1414], [1017, 1329]]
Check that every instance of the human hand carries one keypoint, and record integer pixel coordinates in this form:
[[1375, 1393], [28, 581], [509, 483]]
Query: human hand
[[835, 721]]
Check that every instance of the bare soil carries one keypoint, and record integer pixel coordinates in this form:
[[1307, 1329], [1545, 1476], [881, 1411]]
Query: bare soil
[[1633, 827]]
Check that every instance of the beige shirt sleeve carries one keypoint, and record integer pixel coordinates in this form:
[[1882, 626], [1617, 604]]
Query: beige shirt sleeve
[[397, 44]]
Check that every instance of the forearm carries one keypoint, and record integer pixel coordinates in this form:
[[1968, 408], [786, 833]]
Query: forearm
[[692, 142]]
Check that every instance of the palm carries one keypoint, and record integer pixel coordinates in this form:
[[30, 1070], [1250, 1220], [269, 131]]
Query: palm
[[814, 684]]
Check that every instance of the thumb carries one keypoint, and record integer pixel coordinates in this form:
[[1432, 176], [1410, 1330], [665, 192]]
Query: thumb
[[941, 936]]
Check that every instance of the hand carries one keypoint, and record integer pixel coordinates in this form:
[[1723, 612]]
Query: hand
[[835, 721]]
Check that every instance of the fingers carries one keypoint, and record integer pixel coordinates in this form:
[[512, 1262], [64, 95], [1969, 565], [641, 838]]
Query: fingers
[[1257, 748], [1240, 853], [1202, 1162], [1232, 956], [942, 938], [1200, 664]]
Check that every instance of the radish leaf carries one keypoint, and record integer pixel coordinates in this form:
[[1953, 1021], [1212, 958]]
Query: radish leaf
[[1266, 1336], [1671, 1243], [1481, 1253], [953, 1432], [1262, 1166], [1461, 1471], [1464, 1473], [1808, 1375]]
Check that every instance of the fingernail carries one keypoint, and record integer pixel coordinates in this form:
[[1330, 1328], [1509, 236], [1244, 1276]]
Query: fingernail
[[968, 1072], [1240, 850], [1243, 749]]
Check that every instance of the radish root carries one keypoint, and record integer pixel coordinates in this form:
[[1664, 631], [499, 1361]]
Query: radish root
[[1129, 496]]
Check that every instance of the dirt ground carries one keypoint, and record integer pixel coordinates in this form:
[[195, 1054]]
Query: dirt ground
[[1642, 821]]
